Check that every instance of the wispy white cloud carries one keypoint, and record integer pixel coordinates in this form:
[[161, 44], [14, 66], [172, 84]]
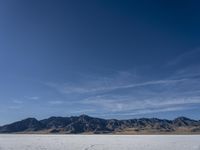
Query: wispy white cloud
[[14, 107], [146, 111], [127, 93], [16, 101], [97, 86], [55, 102], [82, 111], [185, 57], [32, 97], [124, 104]]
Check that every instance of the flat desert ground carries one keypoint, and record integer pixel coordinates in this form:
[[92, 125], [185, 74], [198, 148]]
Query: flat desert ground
[[99, 142]]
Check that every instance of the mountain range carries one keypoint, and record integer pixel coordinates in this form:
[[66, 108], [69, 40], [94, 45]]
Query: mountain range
[[84, 124]]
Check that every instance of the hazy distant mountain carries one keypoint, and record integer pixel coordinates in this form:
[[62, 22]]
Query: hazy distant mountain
[[90, 125]]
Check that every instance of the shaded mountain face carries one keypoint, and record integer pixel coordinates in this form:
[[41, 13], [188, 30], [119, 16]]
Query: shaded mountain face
[[87, 124], [183, 121], [29, 124]]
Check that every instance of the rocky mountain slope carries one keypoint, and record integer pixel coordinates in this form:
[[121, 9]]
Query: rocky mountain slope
[[90, 125]]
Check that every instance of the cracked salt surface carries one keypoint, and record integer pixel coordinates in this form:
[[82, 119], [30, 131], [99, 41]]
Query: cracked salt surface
[[99, 142]]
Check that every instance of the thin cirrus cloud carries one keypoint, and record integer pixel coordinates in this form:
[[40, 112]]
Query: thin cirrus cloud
[[32, 97], [171, 94], [117, 82], [14, 107], [55, 102], [90, 88], [187, 58], [145, 111], [129, 103], [132, 93], [15, 101]]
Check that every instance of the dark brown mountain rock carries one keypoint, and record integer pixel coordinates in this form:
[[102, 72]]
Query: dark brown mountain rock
[[87, 124]]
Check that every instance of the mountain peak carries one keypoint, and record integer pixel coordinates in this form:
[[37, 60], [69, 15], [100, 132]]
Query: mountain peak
[[182, 118], [83, 115]]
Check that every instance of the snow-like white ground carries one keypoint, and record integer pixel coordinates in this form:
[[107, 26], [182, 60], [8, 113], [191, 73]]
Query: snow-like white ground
[[99, 142]]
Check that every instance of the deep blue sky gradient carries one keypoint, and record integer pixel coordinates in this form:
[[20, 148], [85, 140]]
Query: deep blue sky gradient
[[111, 59]]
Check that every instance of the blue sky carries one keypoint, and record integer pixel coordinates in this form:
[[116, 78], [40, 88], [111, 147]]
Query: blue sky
[[110, 59]]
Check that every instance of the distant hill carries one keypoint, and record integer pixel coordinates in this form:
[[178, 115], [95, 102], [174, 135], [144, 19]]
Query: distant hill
[[89, 125]]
